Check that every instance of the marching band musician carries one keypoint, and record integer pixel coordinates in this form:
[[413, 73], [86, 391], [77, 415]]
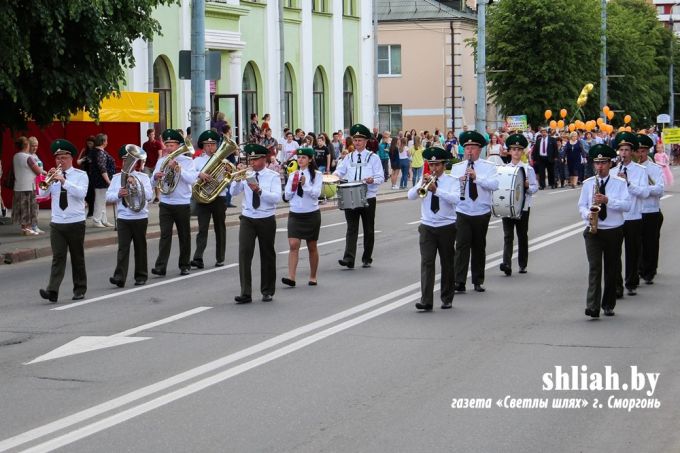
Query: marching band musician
[[217, 209], [67, 228], [473, 211], [516, 144], [635, 176], [437, 228], [262, 192], [174, 207], [361, 165], [304, 219], [608, 197], [652, 219], [131, 225]]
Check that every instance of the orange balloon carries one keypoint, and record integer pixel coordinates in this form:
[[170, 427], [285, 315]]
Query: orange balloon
[[629, 129], [560, 123], [553, 124], [600, 121], [610, 115], [626, 119], [610, 128], [572, 126], [621, 129], [548, 114], [605, 109], [563, 113], [589, 126]]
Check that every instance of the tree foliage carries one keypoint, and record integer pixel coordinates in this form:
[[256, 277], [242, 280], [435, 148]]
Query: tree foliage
[[548, 50], [64, 56]]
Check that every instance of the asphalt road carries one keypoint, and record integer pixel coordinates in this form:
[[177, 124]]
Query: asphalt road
[[349, 365]]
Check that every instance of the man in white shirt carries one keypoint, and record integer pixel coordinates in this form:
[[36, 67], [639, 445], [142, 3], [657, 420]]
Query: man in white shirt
[[261, 193], [652, 219], [608, 197], [132, 221], [288, 148], [67, 228], [437, 228], [473, 210]]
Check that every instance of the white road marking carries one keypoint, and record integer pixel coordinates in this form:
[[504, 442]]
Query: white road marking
[[93, 343], [280, 230], [206, 382], [413, 223], [666, 196], [286, 252], [556, 191]]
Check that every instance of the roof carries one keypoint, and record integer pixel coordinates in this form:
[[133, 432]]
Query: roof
[[410, 10]]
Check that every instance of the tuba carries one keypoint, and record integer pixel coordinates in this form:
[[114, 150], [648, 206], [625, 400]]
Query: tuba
[[221, 171], [135, 200], [169, 182]]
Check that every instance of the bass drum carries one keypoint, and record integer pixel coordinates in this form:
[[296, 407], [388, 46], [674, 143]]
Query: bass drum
[[508, 200]]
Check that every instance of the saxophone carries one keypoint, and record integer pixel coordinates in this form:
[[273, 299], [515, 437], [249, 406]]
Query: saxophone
[[221, 171], [136, 197], [168, 183], [594, 212]]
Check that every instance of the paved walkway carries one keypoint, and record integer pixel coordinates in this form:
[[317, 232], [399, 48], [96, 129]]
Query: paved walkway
[[15, 247]]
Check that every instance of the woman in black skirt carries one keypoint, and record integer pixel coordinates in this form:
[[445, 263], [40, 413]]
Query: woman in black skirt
[[304, 219]]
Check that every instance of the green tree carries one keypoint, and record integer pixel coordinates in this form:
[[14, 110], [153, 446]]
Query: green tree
[[63, 56]]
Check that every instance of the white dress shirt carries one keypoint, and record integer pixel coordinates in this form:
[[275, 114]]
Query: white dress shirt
[[533, 182], [76, 188], [270, 185], [448, 191], [656, 187], [309, 201], [182, 193], [638, 187], [357, 166], [123, 211], [199, 163], [487, 182], [619, 201]]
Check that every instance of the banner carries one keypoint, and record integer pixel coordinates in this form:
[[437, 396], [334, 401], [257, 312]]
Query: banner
[[516, 123], [671, 135], [130, 107]]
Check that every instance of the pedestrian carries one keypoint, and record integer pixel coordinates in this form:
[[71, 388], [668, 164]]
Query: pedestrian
[[153, 149], [322, 155], [661, 159], [395, 164], [384, 153], [24, 205], [336, 150], [544, 154], [417, 162], [33, 151], [255, 133], [84, 164], [404, 162], [573, 151], [102, 172]]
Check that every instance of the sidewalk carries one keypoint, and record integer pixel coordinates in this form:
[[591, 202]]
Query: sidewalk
[[15, 248]]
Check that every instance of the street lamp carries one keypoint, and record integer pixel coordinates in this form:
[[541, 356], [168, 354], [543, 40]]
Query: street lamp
[[671, 70]]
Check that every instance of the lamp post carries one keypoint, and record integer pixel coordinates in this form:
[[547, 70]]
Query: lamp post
[[480, 117], [671, 70], [603, 58]]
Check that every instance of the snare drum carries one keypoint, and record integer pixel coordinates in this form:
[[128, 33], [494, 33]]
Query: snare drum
[[330, 186], [508, 200], [352, 195]]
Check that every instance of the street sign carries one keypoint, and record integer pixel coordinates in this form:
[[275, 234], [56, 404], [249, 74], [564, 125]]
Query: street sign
[[663, 118], [213, 65], [671, 135], [516, 123]]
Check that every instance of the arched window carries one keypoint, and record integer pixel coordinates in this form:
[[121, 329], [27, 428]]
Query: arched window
[[249, 94], [288, 99], [348, 99], [162, 86], [319, 99]]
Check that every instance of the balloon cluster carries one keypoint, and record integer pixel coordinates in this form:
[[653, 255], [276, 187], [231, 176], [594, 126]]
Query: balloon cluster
[[589, 125], [583, 97]]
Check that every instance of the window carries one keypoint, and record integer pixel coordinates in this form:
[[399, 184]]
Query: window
[[348, 99], [389, 118], [348, 7], [290, 3], [320, 6], [249, 90], [389, 60], [319, 100], [161, 85], [288, 99]]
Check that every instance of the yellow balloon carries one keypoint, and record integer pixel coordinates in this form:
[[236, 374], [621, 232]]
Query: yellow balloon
[[626, 119], [560, 123], [548, 114], [589, 87], [610, 114], [553, 124]]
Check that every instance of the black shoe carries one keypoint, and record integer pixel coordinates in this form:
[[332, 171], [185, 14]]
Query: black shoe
[[446, 305], [619, 294], [288, 281], [231, 205], [522, 270], [78, 297], [115, 281], [592, 313], [632, 292], [479, 288], [347, 264], [49, 295], [219, 264], [649, 281], [609, 312], [197, 263], [366, 264], [243, 299], [184, 272], [160, 272], [459, 287], [421, 306], [267, 298], [4, 212], [140, 282], [311, 283], [507, 269], [541, 188]]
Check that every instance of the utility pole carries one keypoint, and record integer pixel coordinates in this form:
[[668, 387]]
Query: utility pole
[[197, 68], [603, 58], [671, 70], [480, 117], [282, 75]]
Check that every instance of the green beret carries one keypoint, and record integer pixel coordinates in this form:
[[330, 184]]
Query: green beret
[[436, 154], [516, 140], [359, 130], [171, 135], [601, 153], [626, 138], [208, 136], [472, 137], [645, 141], [255, 151], [62, 146], [309, 152]]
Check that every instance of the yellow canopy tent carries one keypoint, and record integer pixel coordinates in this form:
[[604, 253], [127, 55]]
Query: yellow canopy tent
[[130, 107]]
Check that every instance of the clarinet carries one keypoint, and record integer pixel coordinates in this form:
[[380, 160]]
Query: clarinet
[[463, 182]]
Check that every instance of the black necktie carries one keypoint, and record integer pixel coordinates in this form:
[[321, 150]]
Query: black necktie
[[473, 185], [603, 207], [358, 169], [299, 191], [256, 195], [63, 196], [434, 202]]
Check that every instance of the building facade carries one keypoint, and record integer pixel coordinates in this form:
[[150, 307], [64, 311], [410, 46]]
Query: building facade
[[328, 64]]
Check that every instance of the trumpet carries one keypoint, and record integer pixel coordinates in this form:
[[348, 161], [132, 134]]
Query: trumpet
[[49, 179], [425, 186], [594, 212], [463, 182]]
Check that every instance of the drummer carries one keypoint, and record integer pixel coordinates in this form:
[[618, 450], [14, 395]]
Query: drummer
[[304, 219], [361, 165], [516, 144]]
